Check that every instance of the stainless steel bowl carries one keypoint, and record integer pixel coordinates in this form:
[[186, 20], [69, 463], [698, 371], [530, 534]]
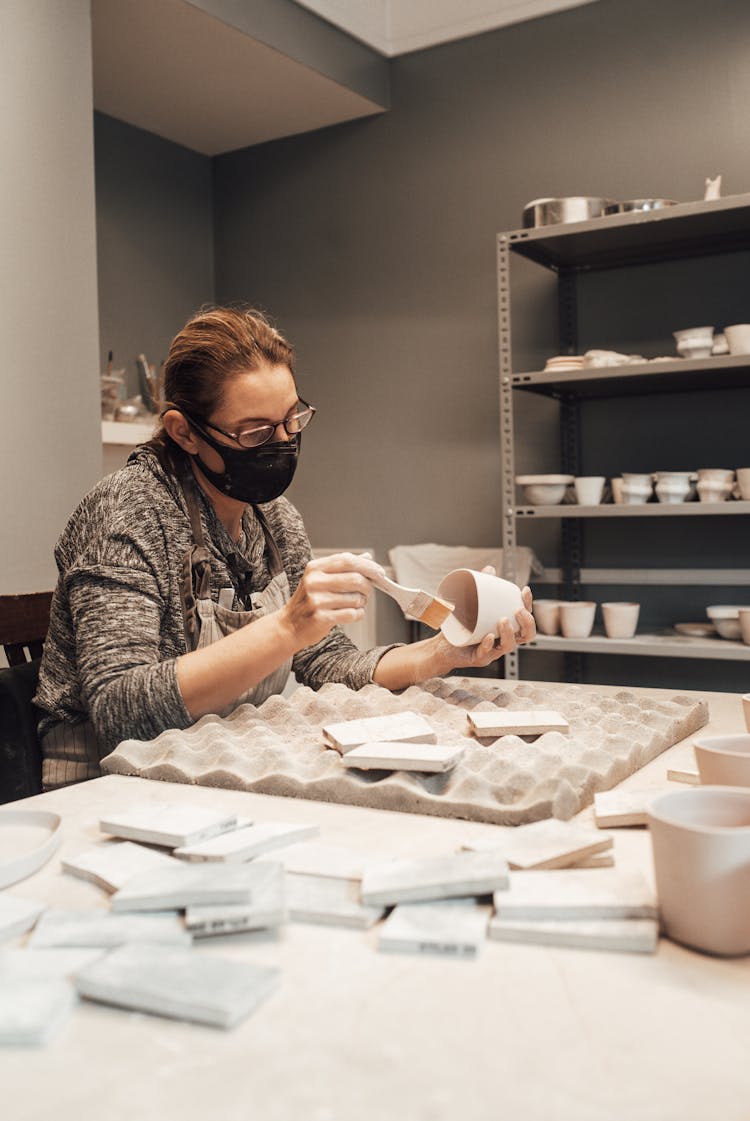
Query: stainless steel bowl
[[551, 212], [639, 204]]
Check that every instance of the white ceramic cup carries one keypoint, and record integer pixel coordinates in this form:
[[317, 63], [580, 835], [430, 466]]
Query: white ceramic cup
[[723, 760], [481, 601], [744, 616], [738, 338], [620, 619], [701, 845], [743, 482], [577, 619], [589, 489], [547, 615]]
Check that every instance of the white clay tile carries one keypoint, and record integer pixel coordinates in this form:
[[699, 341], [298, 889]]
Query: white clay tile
[[94, 927], [110, 865], [402, 727], [424, 757], [324, 899], [504, 723], [452, 927], [267, 906], [180, 984], [185, 885], [17, 915], [163, 823], [576, 893], [436, 877], [245, 844], [639, 936], [33, 1011]]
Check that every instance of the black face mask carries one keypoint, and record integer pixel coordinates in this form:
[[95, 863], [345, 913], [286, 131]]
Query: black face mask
[[253, 474]]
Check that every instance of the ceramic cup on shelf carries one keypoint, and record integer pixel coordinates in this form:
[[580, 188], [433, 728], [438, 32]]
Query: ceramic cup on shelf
[[480, 600], [577, 619], [547, 615], [738, 338], [617, 485], [636, 488], [589, 489], [701, 847], [743, 482], [620, 619], [743, 614], [673, 486]]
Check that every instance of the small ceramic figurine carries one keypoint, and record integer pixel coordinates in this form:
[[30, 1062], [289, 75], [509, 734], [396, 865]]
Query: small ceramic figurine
[[713, 188]]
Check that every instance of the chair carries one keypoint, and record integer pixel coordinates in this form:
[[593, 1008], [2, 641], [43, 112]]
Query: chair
[[24, 620]]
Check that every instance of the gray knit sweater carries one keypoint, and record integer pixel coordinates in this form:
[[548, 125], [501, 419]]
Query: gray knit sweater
[[116, 626]]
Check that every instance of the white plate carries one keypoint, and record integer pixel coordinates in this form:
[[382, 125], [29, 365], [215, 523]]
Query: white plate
[[696, 630]]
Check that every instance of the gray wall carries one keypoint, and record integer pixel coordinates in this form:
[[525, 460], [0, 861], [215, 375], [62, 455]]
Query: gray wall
[[51, 437], [154, 224], [373, 245]]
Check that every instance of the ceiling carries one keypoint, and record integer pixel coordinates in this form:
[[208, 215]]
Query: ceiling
[[395, 27], [218, 75]]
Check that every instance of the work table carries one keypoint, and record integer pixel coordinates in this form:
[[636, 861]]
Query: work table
[[354, 1034]]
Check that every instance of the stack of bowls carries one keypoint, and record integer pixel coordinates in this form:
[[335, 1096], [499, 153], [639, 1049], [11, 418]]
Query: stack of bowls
[[636, 488], [694, 342], [715, 484], [674, 486], [726, 619], [544, 490]]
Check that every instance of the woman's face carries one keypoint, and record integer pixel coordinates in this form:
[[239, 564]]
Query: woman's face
[[263, 396]]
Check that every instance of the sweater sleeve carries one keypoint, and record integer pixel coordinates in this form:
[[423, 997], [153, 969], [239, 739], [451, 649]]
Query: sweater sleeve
[[117, 597]]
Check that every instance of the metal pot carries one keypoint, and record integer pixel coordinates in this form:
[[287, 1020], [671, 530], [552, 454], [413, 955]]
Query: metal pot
[[639, 204], [551, 212]]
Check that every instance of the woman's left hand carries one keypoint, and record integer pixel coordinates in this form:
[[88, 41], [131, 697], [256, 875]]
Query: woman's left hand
[[493, 646]]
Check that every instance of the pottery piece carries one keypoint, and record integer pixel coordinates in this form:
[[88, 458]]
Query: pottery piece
[[711, 490], [33, 1011], [328, 900], [112, 864], [723, 760], [620, 808], [694, 342], [589, 489], [246, 844], [701, 847], [547, 615], [179, 984], [673, 486], [454, 927], [481, 601], [544, 490], [638, 936], [577, 619], [506, 722], [683, 774], [726, 619], [434, 877], [746, 709], [738, 338], [545, 844], [617, 485], [397, 727], [428, 758], [636, 488], [163, 823], [576, 893], [743, 482], [620, 619], [744, 617], [93, 927]]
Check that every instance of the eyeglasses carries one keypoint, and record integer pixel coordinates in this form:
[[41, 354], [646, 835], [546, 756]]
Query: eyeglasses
[[256, 437]]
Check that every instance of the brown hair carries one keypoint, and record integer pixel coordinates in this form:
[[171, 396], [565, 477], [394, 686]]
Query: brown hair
[[213, 346]]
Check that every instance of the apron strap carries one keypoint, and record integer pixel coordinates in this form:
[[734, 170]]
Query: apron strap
[[195, 576]]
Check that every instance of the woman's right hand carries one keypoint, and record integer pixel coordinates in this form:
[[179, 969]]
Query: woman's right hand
[[332, 591]]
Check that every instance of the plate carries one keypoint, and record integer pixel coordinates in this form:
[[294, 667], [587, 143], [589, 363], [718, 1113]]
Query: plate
[[696, 630]]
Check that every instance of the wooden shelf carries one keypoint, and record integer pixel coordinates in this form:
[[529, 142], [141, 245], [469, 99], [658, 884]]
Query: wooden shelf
[[649, 645]]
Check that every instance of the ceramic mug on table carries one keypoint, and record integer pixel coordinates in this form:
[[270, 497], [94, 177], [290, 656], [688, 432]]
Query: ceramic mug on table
[[480, 600], [701, 849]]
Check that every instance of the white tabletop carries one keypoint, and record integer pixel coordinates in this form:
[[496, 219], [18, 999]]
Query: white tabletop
[[353, 1034]]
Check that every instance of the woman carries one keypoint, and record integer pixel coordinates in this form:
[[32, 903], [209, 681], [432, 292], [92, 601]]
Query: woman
[[185, 580]]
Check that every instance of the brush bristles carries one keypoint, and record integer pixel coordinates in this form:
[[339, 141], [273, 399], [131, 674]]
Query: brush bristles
[[430, 610]]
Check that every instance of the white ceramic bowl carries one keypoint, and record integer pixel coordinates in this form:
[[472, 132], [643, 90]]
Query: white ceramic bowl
[[726, 619], [544, 490], [690, 334], [723, 760]]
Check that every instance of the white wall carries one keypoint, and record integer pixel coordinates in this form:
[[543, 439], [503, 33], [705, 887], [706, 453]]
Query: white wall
[[50, 436]]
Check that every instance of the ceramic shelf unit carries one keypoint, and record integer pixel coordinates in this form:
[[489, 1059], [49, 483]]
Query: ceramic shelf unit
[[687, 230]]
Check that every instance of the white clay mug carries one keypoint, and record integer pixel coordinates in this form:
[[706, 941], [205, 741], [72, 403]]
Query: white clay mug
[[620, 619], [547, 615], [577, 619], [589, 489], [701, 847], [480, 601]]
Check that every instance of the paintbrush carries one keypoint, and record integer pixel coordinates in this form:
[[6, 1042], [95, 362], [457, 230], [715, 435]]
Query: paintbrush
[[415, 604]]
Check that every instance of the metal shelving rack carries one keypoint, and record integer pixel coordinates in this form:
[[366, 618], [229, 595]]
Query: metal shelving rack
[[686, 230]]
